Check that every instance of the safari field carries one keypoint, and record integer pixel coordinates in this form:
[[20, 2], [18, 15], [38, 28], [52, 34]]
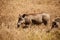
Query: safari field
[[9, 16]]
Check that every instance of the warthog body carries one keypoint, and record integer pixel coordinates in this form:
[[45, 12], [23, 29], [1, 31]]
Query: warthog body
[[33, 19]]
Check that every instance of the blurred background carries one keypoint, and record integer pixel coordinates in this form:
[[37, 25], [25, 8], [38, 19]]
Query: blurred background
[[9, 13]]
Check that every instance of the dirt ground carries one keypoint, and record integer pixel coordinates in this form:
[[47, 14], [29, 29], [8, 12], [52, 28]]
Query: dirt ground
[[9, 13]]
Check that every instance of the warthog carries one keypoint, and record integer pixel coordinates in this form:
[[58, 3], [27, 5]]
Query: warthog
[[55, 23], [34, 19]]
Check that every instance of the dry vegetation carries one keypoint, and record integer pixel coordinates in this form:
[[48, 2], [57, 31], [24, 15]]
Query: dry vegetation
[[9, 11]]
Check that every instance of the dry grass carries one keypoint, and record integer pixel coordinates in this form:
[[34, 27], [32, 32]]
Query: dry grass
[[9, 11]]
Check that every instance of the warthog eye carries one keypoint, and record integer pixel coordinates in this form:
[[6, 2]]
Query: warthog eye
[[20, 19]]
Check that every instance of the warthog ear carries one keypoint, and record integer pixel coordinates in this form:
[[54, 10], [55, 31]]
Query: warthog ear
[[24, 15]]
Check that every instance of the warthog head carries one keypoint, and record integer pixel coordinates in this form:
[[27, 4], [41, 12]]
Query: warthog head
[[55, 22], [21, 20]]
